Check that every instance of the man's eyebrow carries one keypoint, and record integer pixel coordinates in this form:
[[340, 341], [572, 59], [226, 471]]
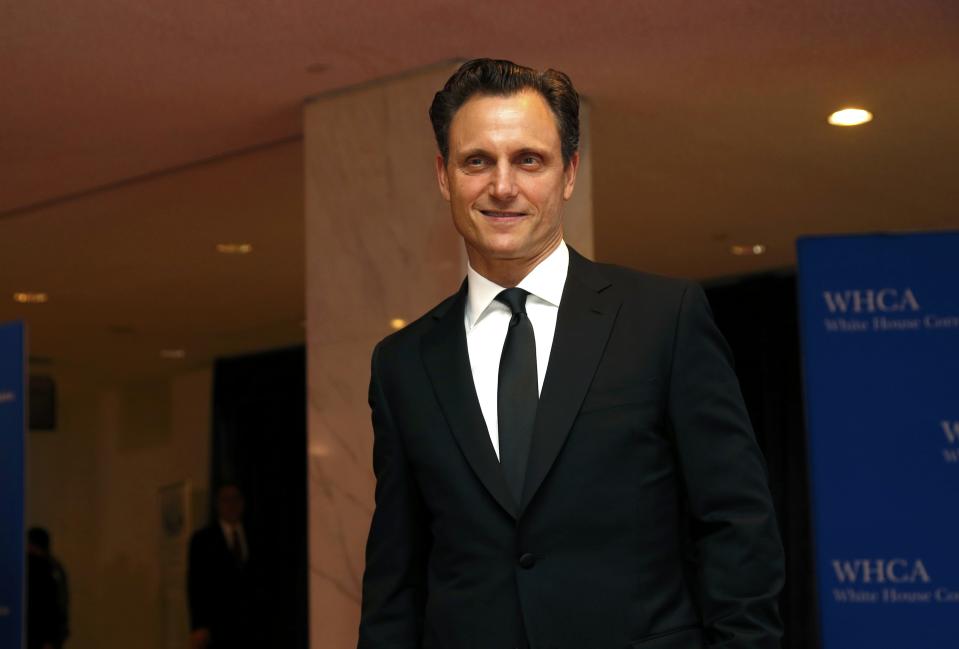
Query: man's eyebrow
[[475, 152], [483, 153], [526, 150]]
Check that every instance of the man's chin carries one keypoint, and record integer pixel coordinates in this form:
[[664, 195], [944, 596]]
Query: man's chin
[[502, 251], [510, 249]]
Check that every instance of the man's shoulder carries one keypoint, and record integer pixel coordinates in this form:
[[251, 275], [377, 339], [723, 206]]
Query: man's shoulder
[[206, 535], [638, 284]]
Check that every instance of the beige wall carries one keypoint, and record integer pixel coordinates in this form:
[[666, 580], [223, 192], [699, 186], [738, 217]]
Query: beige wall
[[379, 246], [93, 483]]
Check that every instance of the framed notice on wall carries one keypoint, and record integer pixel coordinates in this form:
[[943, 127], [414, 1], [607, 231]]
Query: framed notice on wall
[[175, 524]]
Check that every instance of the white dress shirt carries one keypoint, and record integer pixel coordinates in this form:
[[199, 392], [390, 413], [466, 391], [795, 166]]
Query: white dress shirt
[[487, 321], [228, 533]]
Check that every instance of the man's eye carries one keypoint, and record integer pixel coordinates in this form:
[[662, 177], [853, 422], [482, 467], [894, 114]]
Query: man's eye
[[529, 160], [475, 162]]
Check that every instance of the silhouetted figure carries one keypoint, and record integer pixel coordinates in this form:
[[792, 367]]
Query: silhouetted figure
[[48, 619], [221, 586]]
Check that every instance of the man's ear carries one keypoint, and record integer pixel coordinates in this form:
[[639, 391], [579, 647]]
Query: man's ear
[[442, 177], [569, 175]]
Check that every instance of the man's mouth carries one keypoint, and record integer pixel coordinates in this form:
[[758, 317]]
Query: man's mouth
[[502, 214]]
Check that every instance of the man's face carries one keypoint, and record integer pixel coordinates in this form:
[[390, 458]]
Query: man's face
[[229, 504], [505, 179]]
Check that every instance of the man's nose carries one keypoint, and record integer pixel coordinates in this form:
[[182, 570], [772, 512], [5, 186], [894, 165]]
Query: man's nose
[[503, 183]]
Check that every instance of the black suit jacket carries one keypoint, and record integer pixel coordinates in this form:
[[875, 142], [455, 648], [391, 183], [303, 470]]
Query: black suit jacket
[[646, 520]]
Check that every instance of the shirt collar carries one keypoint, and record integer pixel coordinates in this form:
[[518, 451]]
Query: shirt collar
[[229, 528], [545, 281]]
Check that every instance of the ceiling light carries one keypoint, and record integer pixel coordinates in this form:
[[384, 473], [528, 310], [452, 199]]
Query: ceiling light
[[397, 323], [850, 117], [234, 248], [30, 298], [746, 251], [173, 354]]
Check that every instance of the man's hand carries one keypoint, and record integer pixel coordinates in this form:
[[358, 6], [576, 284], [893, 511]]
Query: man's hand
[[200, 639]]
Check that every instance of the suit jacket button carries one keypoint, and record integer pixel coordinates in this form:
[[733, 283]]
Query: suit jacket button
[[527, 561]]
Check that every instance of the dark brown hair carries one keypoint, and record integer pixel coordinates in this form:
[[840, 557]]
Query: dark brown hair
[[499, 77]]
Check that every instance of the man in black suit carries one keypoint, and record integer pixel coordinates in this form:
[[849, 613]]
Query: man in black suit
[[220, 583], [562, 454]]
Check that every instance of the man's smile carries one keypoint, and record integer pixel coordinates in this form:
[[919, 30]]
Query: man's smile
[[502, 214]]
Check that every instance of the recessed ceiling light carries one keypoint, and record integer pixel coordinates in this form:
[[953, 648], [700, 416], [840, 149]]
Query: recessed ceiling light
[[30, 298], [234, 248], [850, 117], [173, 354], [397, 323], [750, 250]]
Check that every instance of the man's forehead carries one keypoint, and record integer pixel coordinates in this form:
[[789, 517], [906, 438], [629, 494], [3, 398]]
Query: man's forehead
[[489, 119]]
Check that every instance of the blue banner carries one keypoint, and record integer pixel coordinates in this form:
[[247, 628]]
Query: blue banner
[[880, 340], [12, 433]]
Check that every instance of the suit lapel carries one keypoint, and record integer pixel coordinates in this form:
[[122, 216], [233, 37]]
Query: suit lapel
[[586, 315], [446, 358]]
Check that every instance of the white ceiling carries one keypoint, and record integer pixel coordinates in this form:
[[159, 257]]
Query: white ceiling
[[135, 136]]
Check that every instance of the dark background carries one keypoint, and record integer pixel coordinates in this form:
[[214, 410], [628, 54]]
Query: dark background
[[758, 315], [259, 442]]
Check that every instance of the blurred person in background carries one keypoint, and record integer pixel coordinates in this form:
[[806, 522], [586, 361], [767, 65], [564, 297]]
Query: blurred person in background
[[220, 582], [48, 599]]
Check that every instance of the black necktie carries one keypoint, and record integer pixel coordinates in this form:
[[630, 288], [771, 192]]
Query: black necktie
[[517, 393]]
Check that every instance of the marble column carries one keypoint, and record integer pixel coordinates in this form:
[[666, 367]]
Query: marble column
[[380, 248]]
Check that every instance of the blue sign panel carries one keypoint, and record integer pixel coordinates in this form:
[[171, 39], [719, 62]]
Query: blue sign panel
[[880, 340], [12, 429]]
